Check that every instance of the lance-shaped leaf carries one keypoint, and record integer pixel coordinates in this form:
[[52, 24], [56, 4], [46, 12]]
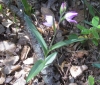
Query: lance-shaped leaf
[[1, 8], [37, 67], [50, 58], [96, 65], [63, 43], [36, 34]]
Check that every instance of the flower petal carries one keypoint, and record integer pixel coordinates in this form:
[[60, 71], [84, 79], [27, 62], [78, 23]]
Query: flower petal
[[47, 24], [74, 21], [70, 15], [49, 20]]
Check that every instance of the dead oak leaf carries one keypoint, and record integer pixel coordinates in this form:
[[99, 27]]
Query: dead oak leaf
[[79, 54]]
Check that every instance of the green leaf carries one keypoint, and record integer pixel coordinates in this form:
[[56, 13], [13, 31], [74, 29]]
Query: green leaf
[[80, 27], [85, 31], [50, 58], [96, 65], [37, 67], [27, 7], [91, 80], [95, 21], [95, 42], [94, 32], [73, 36], [37, 34], [98, 26], [1, 8], [63, 43], [91, 10]]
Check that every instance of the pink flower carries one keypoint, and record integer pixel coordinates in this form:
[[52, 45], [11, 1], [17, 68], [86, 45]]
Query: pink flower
[[49, 20], [70, 15]]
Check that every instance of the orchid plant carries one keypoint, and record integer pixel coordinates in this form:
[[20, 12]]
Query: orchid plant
[[48, 56]]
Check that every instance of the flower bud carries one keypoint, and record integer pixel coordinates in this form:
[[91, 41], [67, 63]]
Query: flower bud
[[63, 8]]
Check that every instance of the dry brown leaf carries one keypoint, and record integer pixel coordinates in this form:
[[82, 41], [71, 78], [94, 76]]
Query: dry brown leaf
[[46, 11], [7, 23], [41, 30], [7, 46], [62, 66], [8, 79], [20, 81], [25, 52], [27, 68], [80, 54], [28, 61], [11, 60], [9, 69], [2, 78], [15, 68], [15, 30], [20, 73]]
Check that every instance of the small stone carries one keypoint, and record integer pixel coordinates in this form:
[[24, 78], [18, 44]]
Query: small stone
[[77, 70]]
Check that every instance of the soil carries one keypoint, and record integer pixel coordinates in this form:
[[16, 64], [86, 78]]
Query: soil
[[17, 54]]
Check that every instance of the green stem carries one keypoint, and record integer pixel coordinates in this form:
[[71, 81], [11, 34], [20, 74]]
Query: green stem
[[55, 31]]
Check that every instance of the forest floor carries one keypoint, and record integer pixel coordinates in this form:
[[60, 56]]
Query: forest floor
[[17, 55]]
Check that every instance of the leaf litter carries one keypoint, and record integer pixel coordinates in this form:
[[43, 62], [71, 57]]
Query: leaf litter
[[17, 55]]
